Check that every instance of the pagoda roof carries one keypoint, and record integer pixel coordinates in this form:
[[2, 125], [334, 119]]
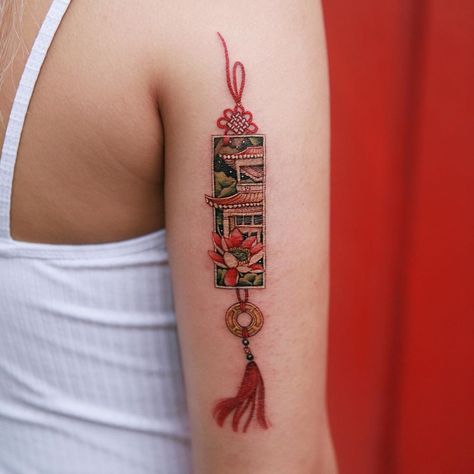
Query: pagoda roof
[[255, 172], [249, 152], [238, 200]]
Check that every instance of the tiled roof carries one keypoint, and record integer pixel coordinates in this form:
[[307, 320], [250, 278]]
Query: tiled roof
[[249, 152], [255, 172], [236, 200]]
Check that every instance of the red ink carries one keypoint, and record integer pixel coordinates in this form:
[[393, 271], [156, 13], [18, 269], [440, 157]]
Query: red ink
[[250, 398], [236, 120], [239, 235]]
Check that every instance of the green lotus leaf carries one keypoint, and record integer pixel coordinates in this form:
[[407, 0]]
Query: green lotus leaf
[[242, 282], [220, 276], [258, 281], [250, 277]]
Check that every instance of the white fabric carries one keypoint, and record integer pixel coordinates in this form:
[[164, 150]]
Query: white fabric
[[90, 376]]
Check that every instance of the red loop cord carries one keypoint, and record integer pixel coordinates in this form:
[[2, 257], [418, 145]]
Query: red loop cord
[[246, 295], [232, 84], [242, 301]]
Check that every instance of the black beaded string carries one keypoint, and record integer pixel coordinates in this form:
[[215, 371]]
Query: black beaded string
[[246, 343], [247, 350]]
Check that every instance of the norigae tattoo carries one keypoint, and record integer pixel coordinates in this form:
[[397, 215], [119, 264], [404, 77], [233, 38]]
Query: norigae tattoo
[[238, 203]]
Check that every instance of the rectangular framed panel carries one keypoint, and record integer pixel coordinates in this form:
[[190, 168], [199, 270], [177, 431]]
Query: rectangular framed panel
[[238, 202]]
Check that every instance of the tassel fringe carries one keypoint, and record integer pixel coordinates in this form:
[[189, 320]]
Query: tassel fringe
[[250, 399]]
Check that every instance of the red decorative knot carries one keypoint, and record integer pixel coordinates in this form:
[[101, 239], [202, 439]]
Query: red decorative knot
[[237, 120], [250, 399]]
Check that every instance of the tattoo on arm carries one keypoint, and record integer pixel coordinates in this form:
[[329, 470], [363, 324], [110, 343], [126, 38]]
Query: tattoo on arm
[[238, 203]]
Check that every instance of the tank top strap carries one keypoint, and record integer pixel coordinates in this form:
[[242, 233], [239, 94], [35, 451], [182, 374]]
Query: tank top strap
[[20, 105]]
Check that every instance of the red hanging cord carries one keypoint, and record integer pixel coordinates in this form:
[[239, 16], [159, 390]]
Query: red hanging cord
[[236, 121], [250, 398], [234, 90], [242, 301]]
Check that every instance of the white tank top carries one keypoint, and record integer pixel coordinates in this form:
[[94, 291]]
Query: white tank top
[[90, 376]]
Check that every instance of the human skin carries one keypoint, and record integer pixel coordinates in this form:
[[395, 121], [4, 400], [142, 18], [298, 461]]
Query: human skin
[[145, 100], [281, 44]]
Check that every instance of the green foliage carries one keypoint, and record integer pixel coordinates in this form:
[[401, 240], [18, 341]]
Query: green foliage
[[256, 141], [219, 218], [258, 280], [247, 279], [220, 276], [224, 185], [251, 279]]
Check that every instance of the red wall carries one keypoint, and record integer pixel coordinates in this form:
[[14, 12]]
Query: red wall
[[401, 395]]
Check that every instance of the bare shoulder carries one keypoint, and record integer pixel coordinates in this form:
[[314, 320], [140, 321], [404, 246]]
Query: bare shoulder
[[170, 37], [277, 38], [172, 31]]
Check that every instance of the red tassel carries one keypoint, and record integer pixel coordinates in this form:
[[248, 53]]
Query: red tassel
[[250, 398]]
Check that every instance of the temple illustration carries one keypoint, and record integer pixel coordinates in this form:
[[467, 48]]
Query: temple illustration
[[239, 187]]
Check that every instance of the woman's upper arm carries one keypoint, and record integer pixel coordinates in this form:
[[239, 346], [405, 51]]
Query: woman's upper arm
[[281, 44]]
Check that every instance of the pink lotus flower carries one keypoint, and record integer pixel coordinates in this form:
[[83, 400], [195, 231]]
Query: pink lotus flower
[[237, 120], [237, 254]]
